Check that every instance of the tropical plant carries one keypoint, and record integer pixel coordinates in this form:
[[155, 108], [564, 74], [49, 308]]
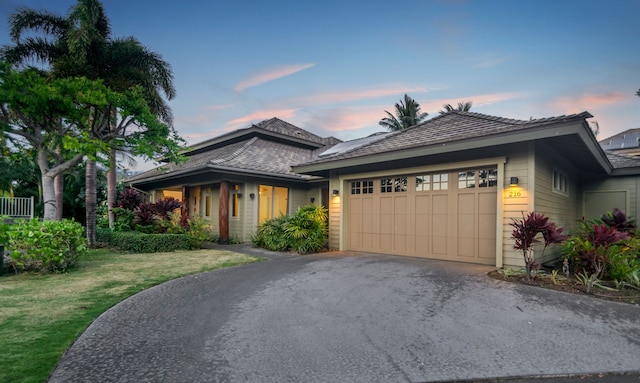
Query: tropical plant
[[304, 232], [407, 114], [526, 233], [619, 220], [81, 45], [601, 251], [462, 107]]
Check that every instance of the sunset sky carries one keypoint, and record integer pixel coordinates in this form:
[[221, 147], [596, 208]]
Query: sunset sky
[[334, 67]]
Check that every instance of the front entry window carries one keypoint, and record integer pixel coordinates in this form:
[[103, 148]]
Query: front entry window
[[273, 202]]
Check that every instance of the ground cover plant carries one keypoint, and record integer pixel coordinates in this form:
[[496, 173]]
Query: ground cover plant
[[42, 314]]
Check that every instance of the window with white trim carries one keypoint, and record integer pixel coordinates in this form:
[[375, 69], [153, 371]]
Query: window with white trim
[[560, 182]]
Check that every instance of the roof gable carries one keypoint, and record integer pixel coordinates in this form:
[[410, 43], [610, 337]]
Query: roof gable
[[273, 129]]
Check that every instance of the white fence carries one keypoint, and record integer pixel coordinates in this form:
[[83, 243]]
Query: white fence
[[16, 207]]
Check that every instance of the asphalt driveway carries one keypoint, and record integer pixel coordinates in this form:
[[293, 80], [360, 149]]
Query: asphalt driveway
[[340, 317]]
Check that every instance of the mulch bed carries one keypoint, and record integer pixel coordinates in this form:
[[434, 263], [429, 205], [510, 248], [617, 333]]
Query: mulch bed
[[572, 285]]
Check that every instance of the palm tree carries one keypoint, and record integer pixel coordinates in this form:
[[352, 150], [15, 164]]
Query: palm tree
[[81, 45], [462, 107], [407, 114]]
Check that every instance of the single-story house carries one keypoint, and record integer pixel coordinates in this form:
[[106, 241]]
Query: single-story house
[[251, 169], [447, 188]]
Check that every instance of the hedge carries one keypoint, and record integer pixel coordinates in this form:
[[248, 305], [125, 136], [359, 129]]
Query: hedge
[[144, 243]]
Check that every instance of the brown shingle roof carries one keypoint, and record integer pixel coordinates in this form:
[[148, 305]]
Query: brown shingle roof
[[248, 149], [450, 127], [620, 161]]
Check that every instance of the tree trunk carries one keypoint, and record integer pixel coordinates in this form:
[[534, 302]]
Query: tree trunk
[[47, 176], [58, 185], [48, 197], [223, 210], [90, 202], [112, 187]]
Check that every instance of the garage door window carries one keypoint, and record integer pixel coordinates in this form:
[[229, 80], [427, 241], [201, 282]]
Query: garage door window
[[396, 185], [428, 182], [488, 178], [482, 178], [362, 187]]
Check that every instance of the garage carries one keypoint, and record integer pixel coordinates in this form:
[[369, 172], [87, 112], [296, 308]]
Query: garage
[[449, 215]]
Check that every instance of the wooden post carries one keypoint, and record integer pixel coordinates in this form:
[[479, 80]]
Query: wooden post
[[223, 210], [185, 201]]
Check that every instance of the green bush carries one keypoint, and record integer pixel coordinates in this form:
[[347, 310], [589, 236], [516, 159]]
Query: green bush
[[605, 248], [49, 246], [304, 232], [149, 243]]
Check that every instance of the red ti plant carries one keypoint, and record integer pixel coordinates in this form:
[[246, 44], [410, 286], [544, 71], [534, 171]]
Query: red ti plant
[[526, 234]]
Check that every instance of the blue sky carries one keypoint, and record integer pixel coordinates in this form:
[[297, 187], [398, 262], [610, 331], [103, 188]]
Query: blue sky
[[334, 67]]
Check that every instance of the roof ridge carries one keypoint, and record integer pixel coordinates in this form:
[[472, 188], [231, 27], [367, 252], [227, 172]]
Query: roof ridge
[[236, 153]]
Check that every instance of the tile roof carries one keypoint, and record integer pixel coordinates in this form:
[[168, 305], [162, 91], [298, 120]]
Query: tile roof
[[624, 140], [450, 127]]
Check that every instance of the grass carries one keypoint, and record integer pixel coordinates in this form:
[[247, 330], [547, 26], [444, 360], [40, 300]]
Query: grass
[[42, 315]]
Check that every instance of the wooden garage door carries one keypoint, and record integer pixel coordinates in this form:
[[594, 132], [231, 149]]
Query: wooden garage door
[[444, 215]]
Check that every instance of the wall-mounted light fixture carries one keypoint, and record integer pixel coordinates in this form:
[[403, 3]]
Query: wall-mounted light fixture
[[335, 192], [312, 200], [239, 195], [252, 195], [513, 181]]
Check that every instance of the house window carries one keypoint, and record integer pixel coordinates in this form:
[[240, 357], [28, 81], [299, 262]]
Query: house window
[[207, 206], [273, 202], [235, 201], [560, 182]]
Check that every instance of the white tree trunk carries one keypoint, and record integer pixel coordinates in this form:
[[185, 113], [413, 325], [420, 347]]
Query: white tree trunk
[[111, 186]]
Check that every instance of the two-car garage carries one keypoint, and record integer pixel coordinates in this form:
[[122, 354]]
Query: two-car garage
[[448, 215]]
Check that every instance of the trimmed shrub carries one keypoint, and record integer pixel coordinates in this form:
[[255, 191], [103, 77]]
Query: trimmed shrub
[[49, 246], [149, 243]]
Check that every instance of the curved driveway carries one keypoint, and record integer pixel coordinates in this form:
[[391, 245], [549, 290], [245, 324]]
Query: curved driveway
[[340, 317]]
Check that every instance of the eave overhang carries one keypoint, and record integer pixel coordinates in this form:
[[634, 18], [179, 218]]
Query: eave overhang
[[580, 130]]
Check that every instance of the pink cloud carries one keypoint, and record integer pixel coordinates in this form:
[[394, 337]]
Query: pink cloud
[[587, 101], [270, 75], [354, 95], [434, 106]]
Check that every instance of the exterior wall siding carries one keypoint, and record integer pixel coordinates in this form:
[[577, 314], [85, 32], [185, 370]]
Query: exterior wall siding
[[561, 208], [336, 215], [516, 199], [628, 184]]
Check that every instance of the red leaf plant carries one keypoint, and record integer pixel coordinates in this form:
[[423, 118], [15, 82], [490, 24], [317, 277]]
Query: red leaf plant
[[526, 235]]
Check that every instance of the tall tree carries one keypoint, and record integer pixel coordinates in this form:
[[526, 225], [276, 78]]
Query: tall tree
[[42, 110], [81, 44], [407, 114], [462, 107]]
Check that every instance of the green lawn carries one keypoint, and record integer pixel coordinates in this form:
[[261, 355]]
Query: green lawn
[[41, 315]]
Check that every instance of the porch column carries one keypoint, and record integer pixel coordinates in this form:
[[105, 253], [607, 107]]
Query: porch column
[[185, 200], [223, 212]]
